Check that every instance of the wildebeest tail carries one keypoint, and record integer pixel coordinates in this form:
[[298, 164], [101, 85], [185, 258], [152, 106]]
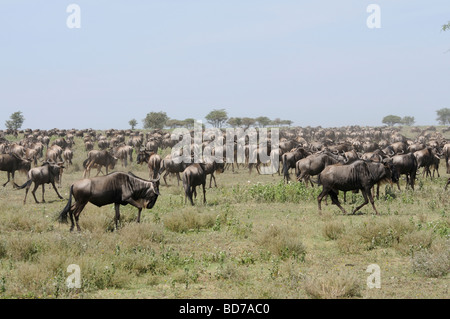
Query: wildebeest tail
[[27, 184], [63, 215]]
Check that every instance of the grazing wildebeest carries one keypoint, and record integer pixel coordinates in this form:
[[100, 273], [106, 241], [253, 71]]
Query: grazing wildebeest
[[117, 188], [290, 158], [98, 159], [194, 175], [359, 175], [48, 173], [406, 164], [11, 163], [312, 165]]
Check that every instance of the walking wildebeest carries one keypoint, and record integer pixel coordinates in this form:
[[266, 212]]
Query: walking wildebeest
[[312, 165], [11, 163], [359, 175], [168, 165], [98, 159], [117, 188], [194, 175], [290, 158], [48, 173]]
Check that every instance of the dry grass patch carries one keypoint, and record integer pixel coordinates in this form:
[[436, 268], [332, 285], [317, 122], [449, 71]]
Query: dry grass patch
[[433, 262], [282, 241], [333, 285]]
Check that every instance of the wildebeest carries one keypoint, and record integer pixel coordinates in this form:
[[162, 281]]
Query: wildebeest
[[123, 152], [194, 175], [169, 166], [359, 175], [290, 158], [98, 159], [448, 182], [68, 156], [312, 165], [406, 164], [211, 168], [48, 173], [11, 163], [118, 188]]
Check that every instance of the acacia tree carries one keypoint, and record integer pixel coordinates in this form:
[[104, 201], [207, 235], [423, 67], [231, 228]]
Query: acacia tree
[[15, 121], [217, 117], [391, 120], [155, 120], [132, 123], [443, 116], [263, 121], [408, 120]]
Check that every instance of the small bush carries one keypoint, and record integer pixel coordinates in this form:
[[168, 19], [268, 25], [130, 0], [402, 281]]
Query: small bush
[[283, 242], [333, 286], [182, 222], [433, 262], [333, 229]]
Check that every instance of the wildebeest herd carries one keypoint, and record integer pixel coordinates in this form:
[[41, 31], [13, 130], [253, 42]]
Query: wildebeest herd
[[354, 158]]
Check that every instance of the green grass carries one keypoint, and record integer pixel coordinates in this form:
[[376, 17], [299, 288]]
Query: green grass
[[255, 238]]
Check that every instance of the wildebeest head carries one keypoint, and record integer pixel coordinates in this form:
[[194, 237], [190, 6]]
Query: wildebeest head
[[391, 170]]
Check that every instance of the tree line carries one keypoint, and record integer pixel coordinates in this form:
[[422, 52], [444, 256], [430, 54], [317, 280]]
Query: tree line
[[217, 118]]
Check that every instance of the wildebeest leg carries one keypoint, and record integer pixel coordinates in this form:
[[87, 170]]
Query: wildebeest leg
[[34, 192], [178, 178], [76, 213], [446, 185], [7, 181], [57, 193], [365, 194], [204, 193], [117, 216], [335, 201], [164, 177], [43, 191], [319, 199]]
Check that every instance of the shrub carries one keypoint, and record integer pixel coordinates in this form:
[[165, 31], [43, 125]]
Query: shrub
[[333, 229], [433, 262], [333, 285], [187, 220], [282, 241]]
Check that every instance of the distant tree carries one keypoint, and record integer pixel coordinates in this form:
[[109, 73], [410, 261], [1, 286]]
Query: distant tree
[[189, 123], [391, 120], [132, 123], [443, 116], [247, 122], [263, 121], [217, 117], [408, 120], [276, 122], [15, 121], [286, 122], [155, 120], [234, 121], [446, 27]]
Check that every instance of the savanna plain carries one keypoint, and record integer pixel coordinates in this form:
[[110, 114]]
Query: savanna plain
[[256, 237]]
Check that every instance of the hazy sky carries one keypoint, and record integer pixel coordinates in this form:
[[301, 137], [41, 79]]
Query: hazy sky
[[313, 62]]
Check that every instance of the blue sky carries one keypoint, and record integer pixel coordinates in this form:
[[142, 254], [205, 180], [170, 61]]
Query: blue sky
[[313, 62]]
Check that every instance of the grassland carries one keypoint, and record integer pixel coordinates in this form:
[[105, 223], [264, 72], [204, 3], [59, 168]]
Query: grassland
[[255, 238]]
